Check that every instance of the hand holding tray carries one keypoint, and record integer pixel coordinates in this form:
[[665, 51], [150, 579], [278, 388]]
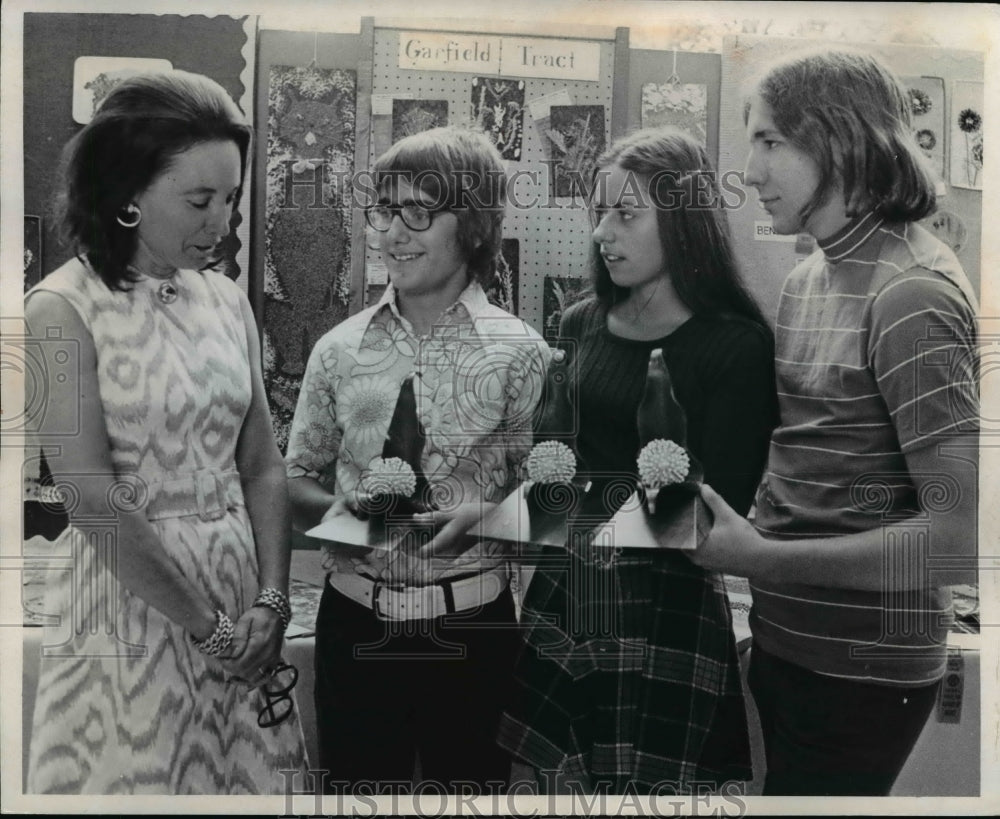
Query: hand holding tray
[[682, 521], [384, 532], [517, 521]]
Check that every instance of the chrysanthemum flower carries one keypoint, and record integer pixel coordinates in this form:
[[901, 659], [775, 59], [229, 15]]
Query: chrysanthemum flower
[[551, 462], [389, 476], [662, 463]]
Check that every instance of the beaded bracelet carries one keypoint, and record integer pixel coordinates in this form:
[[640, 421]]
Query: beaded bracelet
[[276, 601], [220, 639]]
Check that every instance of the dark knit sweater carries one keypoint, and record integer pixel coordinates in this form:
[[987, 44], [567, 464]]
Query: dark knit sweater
[[722, 370]]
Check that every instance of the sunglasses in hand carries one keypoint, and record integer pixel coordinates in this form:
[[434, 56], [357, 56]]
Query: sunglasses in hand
[[277, 693]]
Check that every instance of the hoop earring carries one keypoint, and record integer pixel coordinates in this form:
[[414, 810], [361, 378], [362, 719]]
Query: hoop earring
[[134, 214]]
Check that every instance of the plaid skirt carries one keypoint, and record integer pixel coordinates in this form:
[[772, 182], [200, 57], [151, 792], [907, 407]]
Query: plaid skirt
[[628, 675]]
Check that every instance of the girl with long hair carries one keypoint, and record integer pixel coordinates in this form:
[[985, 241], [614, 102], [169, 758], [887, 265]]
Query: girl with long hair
[[629, 675]]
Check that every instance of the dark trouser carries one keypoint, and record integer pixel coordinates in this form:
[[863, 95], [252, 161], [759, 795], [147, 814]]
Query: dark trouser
[[386, 690], [826, 735]]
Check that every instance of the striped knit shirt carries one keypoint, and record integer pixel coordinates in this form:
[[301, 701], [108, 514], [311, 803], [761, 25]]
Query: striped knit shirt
[[875, 351]]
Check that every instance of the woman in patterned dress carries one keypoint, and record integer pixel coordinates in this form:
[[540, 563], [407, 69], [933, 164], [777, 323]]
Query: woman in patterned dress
[[173, 604]]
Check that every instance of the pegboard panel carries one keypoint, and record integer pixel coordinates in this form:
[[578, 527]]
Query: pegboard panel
[[647, 66], [554, 233]]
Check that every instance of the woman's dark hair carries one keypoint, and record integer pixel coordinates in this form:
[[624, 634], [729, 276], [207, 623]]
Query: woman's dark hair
[[694, 232], [850, 113], [140, 127], [460, 170]]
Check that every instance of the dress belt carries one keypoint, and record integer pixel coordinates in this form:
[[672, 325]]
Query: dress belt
[[392, 602], [207, 493]]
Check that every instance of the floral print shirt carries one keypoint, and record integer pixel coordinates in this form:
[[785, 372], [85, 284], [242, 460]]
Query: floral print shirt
[[479, 375]]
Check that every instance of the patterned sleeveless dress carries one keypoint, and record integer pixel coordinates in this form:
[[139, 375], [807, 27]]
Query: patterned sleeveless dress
[[125, 704]]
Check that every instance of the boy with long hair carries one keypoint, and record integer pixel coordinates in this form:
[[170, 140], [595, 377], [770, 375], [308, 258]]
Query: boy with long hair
[[870, 491]]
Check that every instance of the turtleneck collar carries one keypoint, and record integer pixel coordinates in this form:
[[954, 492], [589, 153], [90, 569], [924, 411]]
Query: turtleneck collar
[[850, 237]]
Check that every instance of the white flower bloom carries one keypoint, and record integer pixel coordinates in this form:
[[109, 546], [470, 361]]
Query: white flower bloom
[[389, 476], [662, 463], [551, 462]]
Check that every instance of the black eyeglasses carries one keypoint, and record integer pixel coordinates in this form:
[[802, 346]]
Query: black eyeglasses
[[414, 216], [277, 691]]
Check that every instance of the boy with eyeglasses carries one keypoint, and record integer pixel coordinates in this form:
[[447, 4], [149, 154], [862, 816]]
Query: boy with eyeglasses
[[414, 647]]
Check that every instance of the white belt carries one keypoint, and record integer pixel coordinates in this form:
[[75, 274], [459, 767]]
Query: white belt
[[207, 493], [391, 602]]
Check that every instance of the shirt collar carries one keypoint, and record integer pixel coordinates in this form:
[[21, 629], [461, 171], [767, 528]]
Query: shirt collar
[[850, 237], [470, 304]]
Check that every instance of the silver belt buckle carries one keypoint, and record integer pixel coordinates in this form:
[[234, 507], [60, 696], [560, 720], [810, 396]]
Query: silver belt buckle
[[209, 496], [377, 587]]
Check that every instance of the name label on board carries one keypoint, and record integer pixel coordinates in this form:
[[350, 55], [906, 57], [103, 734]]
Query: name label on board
[[764, 232], [434, 51], [509, 56], [551, 59]]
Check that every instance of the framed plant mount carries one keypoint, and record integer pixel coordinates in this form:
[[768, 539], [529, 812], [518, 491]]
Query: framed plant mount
[[94, 77], [498, 109], [927, 111], [576, 139], [967, 129]]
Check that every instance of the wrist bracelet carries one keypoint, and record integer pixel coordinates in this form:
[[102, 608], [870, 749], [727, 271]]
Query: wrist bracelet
[[276, 601], [220, 639]]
